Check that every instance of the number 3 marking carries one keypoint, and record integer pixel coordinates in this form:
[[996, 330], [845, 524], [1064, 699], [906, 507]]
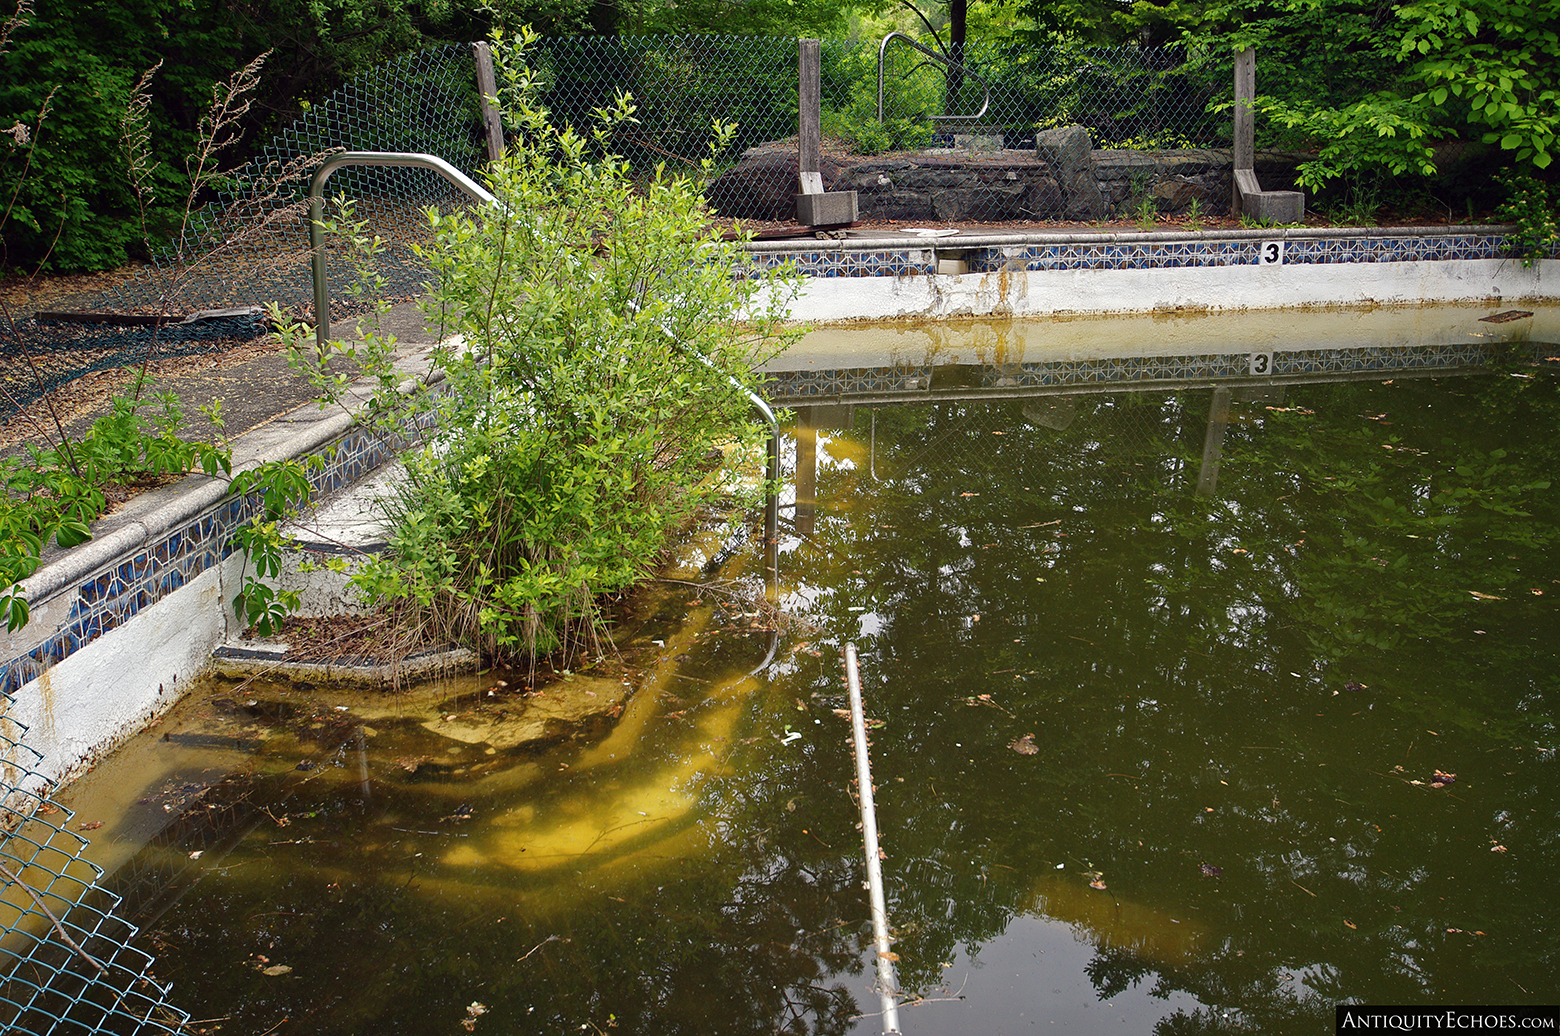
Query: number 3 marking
[[1270, 253], [1261, 363]]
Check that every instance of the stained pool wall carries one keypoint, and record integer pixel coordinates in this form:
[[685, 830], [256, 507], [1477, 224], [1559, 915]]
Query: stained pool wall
[[1125, 272], [121, 622]]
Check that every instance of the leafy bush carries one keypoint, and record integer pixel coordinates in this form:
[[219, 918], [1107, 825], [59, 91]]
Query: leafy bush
[[1373, 86], [55, 492], [591, 386], [1534, 207]]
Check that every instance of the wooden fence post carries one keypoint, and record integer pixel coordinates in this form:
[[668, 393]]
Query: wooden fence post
[[487, 86], [809, 61], [1244, 152]]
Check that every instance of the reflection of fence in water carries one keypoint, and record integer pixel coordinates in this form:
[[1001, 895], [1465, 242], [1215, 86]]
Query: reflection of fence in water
[[211, 823], [67, 963]]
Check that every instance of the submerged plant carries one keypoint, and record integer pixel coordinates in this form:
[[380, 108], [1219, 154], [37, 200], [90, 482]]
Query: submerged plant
[[601, 331]]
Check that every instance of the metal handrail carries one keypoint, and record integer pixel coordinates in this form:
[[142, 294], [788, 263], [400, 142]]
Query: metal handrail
[[438, 165], [883, 50]]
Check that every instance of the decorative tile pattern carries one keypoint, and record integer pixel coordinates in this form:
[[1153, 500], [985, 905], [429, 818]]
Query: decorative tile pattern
[[886, 263], [116, 594], [1155, 255], [798, 387], [1129, 255]]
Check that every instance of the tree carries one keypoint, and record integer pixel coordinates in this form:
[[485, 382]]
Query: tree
[[1376, 86]]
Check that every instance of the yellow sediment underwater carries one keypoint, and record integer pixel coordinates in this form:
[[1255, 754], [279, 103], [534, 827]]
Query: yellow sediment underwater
[[607, 824]]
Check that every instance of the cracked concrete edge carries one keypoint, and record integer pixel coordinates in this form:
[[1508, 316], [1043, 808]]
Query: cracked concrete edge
[[270, 664]]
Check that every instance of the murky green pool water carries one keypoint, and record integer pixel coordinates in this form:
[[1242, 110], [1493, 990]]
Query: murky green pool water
[[1151, 759]]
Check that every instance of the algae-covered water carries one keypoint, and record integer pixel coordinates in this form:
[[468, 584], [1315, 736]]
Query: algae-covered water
[[1174, 732]]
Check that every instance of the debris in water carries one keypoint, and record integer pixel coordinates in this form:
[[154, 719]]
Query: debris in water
[[304, 765], [1210, 871], [1025, 745], [410, 763], [89, 825], [1354, 685], [276, 969], [474, 1010], [1441, 780], [1497, 848], [1096, 884]]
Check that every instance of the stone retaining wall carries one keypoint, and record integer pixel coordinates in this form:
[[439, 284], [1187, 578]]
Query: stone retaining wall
[[955, 185]]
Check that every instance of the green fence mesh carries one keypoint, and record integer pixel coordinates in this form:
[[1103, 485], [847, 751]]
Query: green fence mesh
[[68, 963]]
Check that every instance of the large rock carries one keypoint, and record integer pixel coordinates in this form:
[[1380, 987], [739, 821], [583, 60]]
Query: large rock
[[1067, 150]]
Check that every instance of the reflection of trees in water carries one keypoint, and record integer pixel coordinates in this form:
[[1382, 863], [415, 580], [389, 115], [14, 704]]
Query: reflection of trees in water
[[1147, 638]]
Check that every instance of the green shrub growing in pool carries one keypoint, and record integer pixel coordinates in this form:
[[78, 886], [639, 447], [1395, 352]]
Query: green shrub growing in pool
[[601, 330]]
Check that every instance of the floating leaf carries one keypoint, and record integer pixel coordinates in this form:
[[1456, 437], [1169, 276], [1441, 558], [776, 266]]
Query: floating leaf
[[1351, 924], [888, 955], [1025, 745], [276, 969], [89, 825]]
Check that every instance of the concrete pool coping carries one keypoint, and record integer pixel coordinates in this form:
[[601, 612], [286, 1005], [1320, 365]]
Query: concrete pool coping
[[119, 620]]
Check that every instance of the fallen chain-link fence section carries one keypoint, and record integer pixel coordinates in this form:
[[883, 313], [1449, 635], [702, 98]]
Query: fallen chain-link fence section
[[68, 963]]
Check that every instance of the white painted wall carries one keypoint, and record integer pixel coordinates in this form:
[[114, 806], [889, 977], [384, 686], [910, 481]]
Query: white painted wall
[[1216, 288], [89, 703]]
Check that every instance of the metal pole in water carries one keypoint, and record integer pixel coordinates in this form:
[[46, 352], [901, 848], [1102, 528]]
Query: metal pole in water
[[888, 984]]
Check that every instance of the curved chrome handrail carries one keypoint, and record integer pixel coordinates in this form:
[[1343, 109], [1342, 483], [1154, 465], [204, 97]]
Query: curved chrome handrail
[[438, 165], [883, 50]]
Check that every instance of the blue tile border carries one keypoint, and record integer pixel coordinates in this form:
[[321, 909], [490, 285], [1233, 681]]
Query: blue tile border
[[793, 388], [121, 590], [1121, 252]]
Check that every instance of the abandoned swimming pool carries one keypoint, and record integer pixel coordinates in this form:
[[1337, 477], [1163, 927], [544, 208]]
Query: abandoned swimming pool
[[1155, 750]]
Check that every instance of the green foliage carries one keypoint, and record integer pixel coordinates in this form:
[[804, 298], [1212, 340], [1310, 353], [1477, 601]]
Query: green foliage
[[71, 206], [1372, 87], [1532, 206], [283, 487], [590, 386], [910, 99], [56, 492]]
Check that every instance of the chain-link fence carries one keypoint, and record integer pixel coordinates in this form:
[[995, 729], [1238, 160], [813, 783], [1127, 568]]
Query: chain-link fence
[[926, 158], [67, 963], [251, 246]]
